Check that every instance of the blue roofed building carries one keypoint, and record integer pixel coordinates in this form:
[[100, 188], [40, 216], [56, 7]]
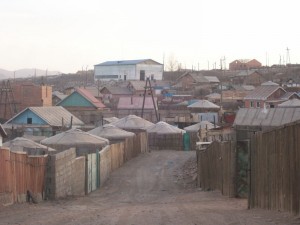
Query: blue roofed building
[[129, 70]]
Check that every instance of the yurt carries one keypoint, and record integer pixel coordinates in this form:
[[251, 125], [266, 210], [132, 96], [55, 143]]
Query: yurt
[[83, 142], [21, 144], [137, 125], [165, 136], [112, 133]]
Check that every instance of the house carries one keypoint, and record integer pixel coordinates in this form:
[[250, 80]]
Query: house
[[205, 111], [189, 80], [269, 94], [43, 121], [112, 94], [129, 70], [57, 97], [244, 64], [81, 99], [248, 77], [23, 95], [3, 135], [135, 103], [138, 87]]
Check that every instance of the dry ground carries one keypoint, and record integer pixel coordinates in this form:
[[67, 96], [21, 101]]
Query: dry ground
[[156, 188]]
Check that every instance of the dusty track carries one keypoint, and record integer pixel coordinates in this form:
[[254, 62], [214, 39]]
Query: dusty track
[[150, 189]]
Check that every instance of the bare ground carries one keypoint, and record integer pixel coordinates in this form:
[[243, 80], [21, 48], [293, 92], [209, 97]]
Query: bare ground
[[154, 188]]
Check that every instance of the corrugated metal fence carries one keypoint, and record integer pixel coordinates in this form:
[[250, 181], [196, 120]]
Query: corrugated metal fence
[[21, 175], [275, 169]]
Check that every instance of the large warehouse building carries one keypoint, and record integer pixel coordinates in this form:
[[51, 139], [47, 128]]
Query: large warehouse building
[[129, 70]]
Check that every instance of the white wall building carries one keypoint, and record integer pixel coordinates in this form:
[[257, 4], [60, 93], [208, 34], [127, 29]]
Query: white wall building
[[129, 70]]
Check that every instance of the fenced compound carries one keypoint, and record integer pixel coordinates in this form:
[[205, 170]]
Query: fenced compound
[[275, 169], [217, 167], [21, 176]]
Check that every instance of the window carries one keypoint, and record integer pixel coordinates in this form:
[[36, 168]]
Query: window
[[257, 104], [251, 104], [29, 120]]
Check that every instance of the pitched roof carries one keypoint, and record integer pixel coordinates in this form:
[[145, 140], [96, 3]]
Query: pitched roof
[[136, 102], [204, 104], [2, 131], [288, 95], [52, 115], [110, 132], [269, 83], [111, 119], [125, 62], [164, 128], [93, 90], [290, 103], [212, 79], [263, 92], [198, 77], [271, 117], [117, 90], [59, 95], [138, 85], [89, 96], [132, 122]]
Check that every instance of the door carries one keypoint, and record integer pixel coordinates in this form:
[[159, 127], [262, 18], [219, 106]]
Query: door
[[142, 74]]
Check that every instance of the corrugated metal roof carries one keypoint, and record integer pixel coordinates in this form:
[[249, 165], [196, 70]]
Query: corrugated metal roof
[[271, 117], [288, 95], [212, 79], [290, 103], [125, 62], [269, 83], [262, 92], [90, 97], [136, 102], [52, 115], [204, 104], [132, 122], [198, 77], [59, 95], [118, 90], [164, 128], [110, 132]]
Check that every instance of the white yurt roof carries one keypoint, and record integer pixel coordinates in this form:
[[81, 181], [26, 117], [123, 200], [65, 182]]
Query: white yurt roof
[[110, 132], [132, 122], [164, 128], [204, 104], [19, 143], [201, 125], [75, 137]]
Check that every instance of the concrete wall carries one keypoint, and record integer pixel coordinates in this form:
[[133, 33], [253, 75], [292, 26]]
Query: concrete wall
[[62, 169]]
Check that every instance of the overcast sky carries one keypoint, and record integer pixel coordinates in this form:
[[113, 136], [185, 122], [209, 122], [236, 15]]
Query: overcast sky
[[67, 35]]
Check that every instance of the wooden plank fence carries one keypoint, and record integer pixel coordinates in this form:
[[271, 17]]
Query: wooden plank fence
[[21, 175], [275, 169], [217, 167]]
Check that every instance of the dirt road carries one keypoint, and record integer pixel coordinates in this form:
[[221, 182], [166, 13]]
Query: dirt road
[[152, 189]]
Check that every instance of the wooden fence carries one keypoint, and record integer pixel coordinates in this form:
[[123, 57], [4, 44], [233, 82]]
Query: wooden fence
[[21, 175], [275, 169], [165, 141], [217, 167]]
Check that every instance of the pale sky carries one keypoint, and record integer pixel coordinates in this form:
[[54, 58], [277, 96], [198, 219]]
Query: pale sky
[[66, 35]]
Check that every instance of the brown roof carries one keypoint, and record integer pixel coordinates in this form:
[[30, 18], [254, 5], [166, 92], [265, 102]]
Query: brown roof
[[89, 96], [118, 90], [198, 77], [262, 92], [136, 102]]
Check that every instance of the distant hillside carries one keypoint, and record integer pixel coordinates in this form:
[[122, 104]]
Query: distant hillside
[[5, 74]]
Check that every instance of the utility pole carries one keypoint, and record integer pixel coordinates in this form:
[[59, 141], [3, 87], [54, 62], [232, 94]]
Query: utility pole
[[145, 93]]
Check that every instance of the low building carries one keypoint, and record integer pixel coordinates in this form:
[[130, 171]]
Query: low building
[[129, 70]]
